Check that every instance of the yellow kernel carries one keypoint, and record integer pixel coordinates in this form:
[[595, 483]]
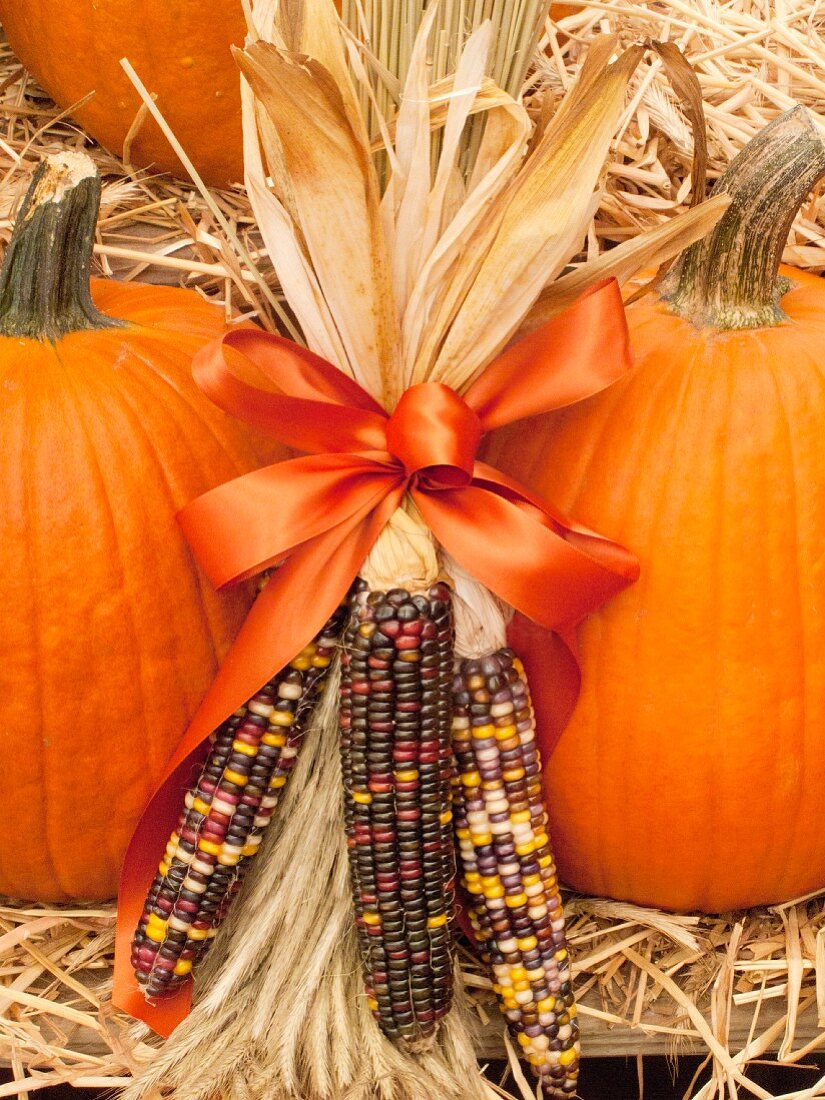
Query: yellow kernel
[[321, 662], [242, 747], [483, 732], [462, 834], [480, 839], [472, 876], [250, 850], [547, 1005], [198, 933], [231, 776], [275, 739], [201, 807], [504, 733], [277, 781], [530, 880], [228, 859], [209, 846], [470, 779], [437, 921], [514, 900], [446, 817], [362, 797], [281, 718], [520, 815], [521, 986], [513, 775], [156, 934], [474, 888], [545, 861], [301, 664], [155, 920], [406, 776], [372, 918], [541, 839], [536, 1059], [496, 891], [567, 1056], [182, 966], [528, 943], [163, 868], [372, 1003], [518, 974], [523, 1039], [524, 849], [561, 954]]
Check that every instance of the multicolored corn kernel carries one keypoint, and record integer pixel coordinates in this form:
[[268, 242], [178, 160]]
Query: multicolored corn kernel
[[224, 817], [396, 709], [507, 866]]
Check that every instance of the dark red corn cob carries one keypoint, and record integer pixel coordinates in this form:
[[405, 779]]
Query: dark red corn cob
[[396, 705], [224, 816], [507, 865]]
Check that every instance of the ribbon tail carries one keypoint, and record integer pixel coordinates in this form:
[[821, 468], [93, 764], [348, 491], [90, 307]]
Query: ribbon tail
[[551, 662], [299, 598]]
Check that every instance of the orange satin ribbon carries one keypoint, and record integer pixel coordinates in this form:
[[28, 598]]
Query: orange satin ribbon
[[319, 514]]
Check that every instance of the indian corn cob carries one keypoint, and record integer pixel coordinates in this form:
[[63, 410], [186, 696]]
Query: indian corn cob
[[396, 703], [224, 817], [507, 866]]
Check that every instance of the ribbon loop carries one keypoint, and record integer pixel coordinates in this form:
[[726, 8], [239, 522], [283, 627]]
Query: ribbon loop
[[433, 431]]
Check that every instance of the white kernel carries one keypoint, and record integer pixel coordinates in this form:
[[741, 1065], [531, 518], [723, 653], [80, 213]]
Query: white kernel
[[178, 925], [498, 710], [523, 997], [461, 723], [565, 1032], [290, 691], [262, 709], [221, 807], [195, 887]]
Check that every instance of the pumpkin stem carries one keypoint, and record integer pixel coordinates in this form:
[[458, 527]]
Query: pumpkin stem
[[44, 280], [730, 279]]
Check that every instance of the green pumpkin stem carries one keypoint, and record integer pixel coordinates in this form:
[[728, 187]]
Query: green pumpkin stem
[[44, 280], [730, 279]]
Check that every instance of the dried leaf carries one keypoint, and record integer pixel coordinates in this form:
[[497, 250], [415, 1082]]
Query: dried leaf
[[543, 221], [335, 195], [686, 84], [654, 247]]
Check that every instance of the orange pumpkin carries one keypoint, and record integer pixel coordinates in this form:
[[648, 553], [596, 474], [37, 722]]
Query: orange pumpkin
[[110, 634], [180, 50], [699, 736]]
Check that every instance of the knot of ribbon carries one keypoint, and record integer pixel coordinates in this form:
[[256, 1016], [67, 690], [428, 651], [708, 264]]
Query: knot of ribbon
[[316, 516]]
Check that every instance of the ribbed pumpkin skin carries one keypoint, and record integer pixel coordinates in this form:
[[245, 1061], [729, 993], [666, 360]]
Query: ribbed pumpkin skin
[[109, 634], [181, 51], [692, 772]]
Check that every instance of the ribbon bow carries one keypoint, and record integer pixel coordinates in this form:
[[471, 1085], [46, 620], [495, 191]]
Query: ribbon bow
[[319, 514]]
